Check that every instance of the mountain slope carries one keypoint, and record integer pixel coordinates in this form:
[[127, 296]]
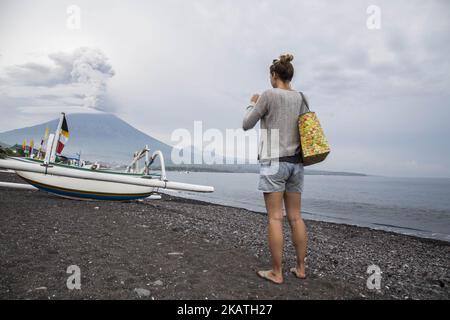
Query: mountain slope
[[102, 137], [3, 144]]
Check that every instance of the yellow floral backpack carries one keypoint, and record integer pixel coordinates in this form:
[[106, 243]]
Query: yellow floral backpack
[[314, 147]]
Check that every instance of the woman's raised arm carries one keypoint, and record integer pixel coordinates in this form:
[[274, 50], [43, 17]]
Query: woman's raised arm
[[255, 111]]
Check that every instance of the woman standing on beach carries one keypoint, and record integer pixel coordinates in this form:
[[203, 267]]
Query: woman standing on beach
[[281, 173]]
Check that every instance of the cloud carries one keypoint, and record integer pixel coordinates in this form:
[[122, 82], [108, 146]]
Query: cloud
[[91, 68], [76, 78]]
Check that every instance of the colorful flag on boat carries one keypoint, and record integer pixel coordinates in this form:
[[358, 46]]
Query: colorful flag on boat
[[24, 144], [31, 146], [43, 146], [63, 136]]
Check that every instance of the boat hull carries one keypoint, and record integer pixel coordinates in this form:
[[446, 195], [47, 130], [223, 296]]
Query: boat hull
[[85, 189]]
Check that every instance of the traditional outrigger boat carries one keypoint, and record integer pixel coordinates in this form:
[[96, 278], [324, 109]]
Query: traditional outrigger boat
[[91, 183]]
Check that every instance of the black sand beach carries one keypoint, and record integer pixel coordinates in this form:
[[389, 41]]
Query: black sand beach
[[183, 249]]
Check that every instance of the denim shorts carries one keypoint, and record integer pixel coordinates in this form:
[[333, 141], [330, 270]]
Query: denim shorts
[[277, 176]]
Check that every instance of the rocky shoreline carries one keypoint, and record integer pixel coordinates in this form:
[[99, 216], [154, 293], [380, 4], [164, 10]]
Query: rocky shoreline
[[178, 248]]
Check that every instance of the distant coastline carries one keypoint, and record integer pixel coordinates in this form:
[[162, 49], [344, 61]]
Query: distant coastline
[[253, 168]]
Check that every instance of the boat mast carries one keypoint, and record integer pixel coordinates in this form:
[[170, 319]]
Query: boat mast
[[48, 148], [56, 138]]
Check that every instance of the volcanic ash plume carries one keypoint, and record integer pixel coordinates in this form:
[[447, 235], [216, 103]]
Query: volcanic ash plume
[[91, 68]]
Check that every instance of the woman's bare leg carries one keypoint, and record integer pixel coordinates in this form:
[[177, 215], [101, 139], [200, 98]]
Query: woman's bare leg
[[274, 206], [292, 203]]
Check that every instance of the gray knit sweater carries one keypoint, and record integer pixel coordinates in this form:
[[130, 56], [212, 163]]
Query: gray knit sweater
[[278, 110]]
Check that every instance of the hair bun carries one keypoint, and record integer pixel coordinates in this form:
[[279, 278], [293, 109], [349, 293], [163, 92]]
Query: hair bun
[[286, 57]]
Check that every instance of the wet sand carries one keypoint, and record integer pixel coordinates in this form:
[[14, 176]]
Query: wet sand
[[177, 248]]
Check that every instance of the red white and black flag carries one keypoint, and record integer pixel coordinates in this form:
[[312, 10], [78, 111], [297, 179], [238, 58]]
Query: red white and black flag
[[63, 136]]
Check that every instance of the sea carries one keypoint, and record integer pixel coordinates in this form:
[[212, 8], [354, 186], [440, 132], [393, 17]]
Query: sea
[[413, 206]]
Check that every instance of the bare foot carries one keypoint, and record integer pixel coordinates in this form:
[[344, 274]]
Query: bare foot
[[271, 276], [299, 272]]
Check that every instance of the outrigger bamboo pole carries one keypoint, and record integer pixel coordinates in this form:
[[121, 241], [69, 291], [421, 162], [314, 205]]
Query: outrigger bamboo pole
[[100, 176], [17, 186]]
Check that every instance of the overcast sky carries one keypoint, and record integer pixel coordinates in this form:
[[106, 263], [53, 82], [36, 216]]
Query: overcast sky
[[382, 95]]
